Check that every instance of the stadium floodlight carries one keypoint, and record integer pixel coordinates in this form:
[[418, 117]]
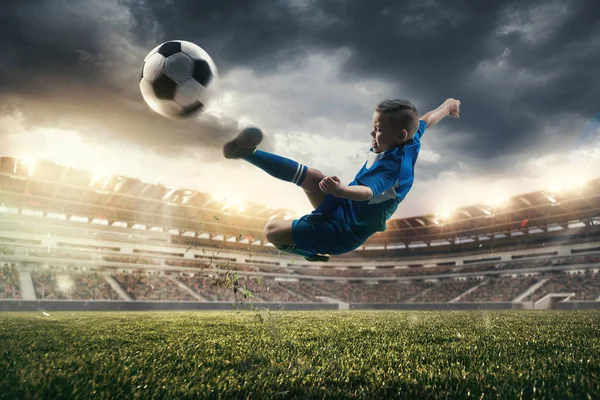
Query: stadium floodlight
[[442, 217], [119, 184], [98, 175], [172, 189], [30, 163], [551, 199]]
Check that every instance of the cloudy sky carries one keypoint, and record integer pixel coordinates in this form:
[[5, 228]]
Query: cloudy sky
[[309, 74]]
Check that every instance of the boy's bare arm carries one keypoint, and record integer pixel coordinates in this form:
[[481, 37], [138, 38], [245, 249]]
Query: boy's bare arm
[[332, 185], [357, 193], [450, 107]]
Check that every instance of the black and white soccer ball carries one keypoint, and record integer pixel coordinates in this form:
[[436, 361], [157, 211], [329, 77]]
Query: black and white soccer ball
[[178, 79]]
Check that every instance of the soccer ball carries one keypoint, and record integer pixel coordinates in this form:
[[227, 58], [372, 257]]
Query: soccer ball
[[178, 78]]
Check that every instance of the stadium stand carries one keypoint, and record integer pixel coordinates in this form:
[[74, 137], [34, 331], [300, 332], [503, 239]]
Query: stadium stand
[[374, 292], [213, 288], [9, 283], [116, 242], [584, 285], [445, 290], [500, 289], [56, 283], [151, 287]]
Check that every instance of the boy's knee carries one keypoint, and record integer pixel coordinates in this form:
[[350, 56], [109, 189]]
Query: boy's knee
[[312, 179], [267, 230], [270, 232], [277, 233]]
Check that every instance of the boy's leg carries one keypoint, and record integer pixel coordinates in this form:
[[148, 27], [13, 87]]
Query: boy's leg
[[311, 188], [279, 233], [244, 146]]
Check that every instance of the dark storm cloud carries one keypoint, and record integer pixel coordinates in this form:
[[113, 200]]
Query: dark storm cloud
[[514, 73], [517, 66], [72, 65]]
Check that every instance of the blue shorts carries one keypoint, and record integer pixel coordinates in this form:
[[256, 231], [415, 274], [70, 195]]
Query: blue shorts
[[325, 234]]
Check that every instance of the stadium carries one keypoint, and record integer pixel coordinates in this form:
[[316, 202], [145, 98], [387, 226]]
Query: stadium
[[112, 287], [72, 240]]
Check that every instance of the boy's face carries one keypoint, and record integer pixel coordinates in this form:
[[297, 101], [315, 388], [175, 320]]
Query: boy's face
[[385, 134]]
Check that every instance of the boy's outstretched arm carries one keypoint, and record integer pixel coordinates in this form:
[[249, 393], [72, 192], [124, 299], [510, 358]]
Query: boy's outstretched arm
[[450, 107]]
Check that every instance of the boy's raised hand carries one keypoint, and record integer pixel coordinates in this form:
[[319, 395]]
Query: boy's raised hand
[[453, 107]]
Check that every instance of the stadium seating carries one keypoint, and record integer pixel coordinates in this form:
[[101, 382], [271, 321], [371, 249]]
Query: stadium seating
[[9, 283], [151, 287], [499, 289], [70, 282], [444, 291], [212, 288], [585, 285], [55, 285]]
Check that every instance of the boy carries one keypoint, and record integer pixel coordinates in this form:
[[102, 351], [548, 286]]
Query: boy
[[344, 217]]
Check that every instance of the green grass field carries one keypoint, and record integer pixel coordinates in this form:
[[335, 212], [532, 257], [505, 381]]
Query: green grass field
[[259, 354]]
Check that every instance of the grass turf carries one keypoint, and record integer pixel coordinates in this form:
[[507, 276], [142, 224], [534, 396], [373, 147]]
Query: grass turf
[[257, 354]]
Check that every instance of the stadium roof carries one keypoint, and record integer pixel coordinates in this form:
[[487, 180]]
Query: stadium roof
[[537, 210], [54, 188]]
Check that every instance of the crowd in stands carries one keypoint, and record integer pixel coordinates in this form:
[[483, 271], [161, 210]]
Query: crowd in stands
[[216, 288], [64, 284], [59, 284], [152, 287], [92, 286], [307, 289], [444, 291], [376, 292], [221, 288], [271, 290], [46, 288], [10, 288], [585, 285], [500, 289], [52, 285]]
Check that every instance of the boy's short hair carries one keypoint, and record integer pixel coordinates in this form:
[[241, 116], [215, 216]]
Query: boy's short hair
[[404, 114]]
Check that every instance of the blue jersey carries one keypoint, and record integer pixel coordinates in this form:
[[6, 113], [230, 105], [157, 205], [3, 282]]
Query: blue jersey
[[390, 176]]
